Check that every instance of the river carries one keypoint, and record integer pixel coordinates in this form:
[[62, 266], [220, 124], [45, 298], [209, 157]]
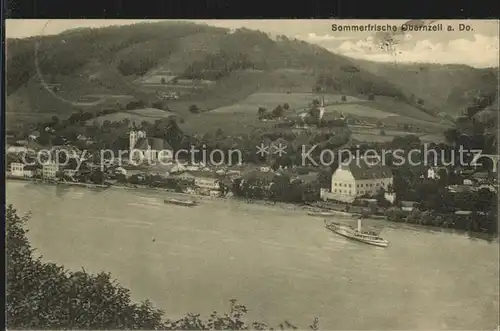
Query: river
[[279, 262]]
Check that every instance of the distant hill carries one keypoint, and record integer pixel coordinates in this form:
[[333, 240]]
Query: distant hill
[[210, 67], [44, 72], [443, 88]]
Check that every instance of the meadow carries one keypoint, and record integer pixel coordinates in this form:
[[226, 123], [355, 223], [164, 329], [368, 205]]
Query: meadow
[[103, 99], [358, 110], [14, 119], [209, 122], [270, 100], [241, 116], [156, 79], [135, 115], [368, 134]]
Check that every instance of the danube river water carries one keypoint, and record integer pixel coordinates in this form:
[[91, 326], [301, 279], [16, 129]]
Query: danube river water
[[280, 263]]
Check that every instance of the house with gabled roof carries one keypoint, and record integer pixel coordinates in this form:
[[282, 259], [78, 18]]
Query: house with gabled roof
[[359, 177]]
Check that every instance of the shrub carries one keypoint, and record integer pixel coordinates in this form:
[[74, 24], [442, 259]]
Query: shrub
[[42, 295], [46, 296], [194, 109]]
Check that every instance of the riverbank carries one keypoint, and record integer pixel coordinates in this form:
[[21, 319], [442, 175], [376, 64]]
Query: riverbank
[[337, 210], [145, 188], [50, 182], [223, 249]]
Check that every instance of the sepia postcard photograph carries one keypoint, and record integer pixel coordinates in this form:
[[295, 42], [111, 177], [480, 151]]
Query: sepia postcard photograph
[[251, 174]]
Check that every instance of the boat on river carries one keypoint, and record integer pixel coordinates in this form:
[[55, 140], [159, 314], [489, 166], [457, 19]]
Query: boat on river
[[186, 203], [367, 237]]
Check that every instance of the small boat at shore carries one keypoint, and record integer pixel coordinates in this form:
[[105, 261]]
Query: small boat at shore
[[367, 237], [328, 213], [320, 213], [186, 203]]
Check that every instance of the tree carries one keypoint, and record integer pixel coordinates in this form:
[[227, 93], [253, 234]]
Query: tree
[[44, 138], [97, 176], [451, 135], [286, 106], [343, 98], [194, 109], [382, 132], [121, 178], [43, 295], [163, 81], [159, 105], [219, 132], [58, 140], [443, 177], [394, 214], [278, 111], [135, 105], [261, 112]]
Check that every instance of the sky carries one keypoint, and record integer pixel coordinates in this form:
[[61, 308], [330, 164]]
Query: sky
[[477, 47]]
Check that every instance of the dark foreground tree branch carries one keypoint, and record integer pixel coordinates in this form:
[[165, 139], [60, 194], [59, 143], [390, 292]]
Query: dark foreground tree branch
[[44, 295]]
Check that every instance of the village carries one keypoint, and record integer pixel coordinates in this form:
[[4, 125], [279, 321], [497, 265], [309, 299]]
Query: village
[[251, 174], [356, 187]]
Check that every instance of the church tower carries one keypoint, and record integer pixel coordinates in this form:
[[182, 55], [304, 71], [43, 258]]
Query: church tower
[[322, 109], [134, 135]]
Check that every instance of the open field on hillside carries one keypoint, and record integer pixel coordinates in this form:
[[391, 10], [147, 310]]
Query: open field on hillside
[[97, 99], [432, 138], [135, 115], [358, 110], [401, 108], [423, 126], [374, 135], [241, 116], [156, 79], [13, 118], [270, 100], [244, 123], [369, 137], [209, 122]]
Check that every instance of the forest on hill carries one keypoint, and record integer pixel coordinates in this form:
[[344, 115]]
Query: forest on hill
[[108, 60]]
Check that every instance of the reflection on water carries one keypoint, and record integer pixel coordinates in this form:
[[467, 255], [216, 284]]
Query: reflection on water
[[281, 263]]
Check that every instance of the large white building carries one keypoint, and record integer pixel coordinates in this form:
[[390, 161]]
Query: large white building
[[148, 149], [18, 169], [358, 178]]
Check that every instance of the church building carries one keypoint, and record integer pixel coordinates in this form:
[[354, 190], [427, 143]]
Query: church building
[[148, 149]]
